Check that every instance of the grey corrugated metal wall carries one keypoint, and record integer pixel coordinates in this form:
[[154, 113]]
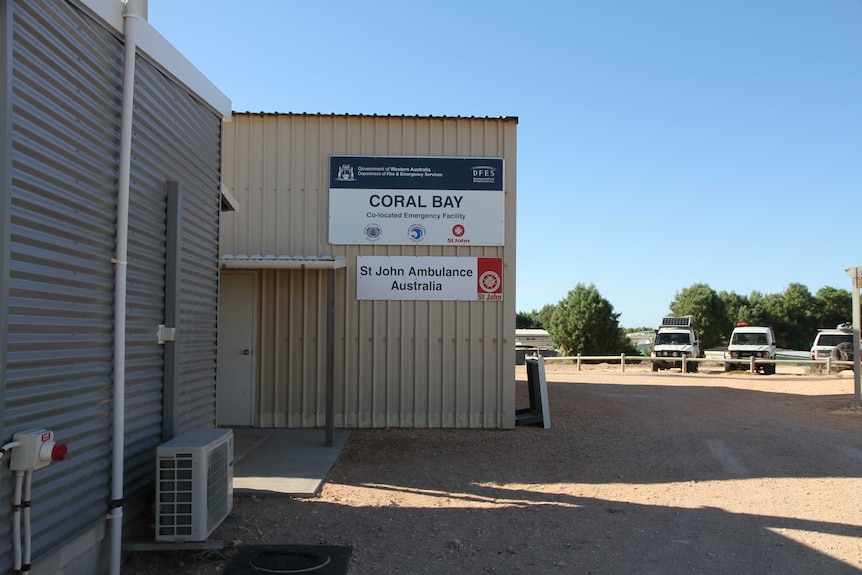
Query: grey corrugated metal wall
[[58, 298], [60, 286], [191, 156], [397, 364]]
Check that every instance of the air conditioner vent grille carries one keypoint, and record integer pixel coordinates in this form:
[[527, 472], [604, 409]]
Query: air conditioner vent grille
[[194, 484], [217, 488]]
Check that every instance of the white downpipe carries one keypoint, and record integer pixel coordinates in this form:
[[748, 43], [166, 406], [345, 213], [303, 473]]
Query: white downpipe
[[3, 450], [130, 18], [25, 506], [16, 521]]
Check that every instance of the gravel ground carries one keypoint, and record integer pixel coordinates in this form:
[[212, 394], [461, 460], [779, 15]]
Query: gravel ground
[[648, 473]]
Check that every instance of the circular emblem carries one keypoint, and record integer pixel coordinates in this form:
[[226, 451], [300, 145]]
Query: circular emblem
[[458, 230], [416, 233], [373, 232], [489, 282]]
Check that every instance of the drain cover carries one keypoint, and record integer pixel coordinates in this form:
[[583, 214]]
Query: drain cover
[[289, 559]]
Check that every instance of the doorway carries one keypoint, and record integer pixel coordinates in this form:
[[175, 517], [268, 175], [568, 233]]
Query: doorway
[[236, 350]]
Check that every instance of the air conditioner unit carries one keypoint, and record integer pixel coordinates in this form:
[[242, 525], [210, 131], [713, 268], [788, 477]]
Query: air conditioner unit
[[194, 484]]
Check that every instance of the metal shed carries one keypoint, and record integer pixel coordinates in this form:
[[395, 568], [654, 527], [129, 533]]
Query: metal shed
[[410, 362], [61, 165]]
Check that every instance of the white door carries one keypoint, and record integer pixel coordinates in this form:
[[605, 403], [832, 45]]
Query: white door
[[235, 381]]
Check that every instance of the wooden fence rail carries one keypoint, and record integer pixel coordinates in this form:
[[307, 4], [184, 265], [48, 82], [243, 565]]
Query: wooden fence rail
[[752, 363]]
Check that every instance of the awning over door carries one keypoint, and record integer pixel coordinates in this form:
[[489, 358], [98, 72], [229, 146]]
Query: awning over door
[[283, 262]]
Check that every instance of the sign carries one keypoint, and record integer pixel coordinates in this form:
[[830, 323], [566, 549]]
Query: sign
[[429, 278], [537, 390], [404, 201]]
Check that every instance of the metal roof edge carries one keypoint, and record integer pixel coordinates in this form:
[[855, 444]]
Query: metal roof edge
[[164, 53], [340, 115]]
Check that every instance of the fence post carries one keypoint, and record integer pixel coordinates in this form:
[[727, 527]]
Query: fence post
[[684, 367], [753, 365], [829, 365], [622, 362], [579, 362]]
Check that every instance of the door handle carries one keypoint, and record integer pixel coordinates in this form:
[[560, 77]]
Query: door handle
[[246, 351]]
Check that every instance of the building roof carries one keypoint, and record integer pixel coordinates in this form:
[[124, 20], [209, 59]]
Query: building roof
[[340, 115]]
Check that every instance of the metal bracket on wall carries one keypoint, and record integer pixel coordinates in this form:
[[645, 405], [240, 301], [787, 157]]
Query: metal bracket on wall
[[166, 334]]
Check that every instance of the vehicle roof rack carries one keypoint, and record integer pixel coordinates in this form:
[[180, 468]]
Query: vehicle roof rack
[[682, 321]]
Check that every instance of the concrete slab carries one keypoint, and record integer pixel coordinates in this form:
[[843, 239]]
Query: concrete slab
[[288, 462]]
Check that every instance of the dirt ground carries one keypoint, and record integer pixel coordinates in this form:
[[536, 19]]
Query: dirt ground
[[641, 473]]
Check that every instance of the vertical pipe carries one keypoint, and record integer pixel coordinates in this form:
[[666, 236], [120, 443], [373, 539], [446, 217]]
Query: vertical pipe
[[16, 522], [173, 262], [857, 385], [130, 17], [25, 507], [330, 355]]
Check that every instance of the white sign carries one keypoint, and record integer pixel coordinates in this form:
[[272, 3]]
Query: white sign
[[436, 201], [405, 217], [429, 278]]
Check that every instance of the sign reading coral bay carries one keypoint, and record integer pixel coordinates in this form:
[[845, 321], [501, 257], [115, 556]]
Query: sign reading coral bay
[[404, 201], [429, 278]]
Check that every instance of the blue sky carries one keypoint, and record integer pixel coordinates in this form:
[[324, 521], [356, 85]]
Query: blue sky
[[660, 144]]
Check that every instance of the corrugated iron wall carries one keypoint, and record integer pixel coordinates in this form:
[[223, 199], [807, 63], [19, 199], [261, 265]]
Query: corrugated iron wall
[[292, 350], [60, 285], [175, 139], [397, 364], [58, 298]]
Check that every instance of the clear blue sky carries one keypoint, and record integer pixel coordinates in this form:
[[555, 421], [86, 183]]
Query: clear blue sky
[[660, 144]]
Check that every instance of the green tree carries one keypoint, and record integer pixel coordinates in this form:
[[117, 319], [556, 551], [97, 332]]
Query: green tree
[[834, 306], [798, 319], [585, 323], [527, 320], [794, 314], [758, 310], [708, 310], [736, 306], [791, 314], [546, 316]]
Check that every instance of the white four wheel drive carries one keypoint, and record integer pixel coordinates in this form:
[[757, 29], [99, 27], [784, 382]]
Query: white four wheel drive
[[675, 339], [749, 341], [836, 344]]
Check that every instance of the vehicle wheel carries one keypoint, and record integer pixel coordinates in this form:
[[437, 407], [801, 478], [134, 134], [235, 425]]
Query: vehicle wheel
[[844, 351], [769, 369], [692, 367], [654, 366], [728, 367]]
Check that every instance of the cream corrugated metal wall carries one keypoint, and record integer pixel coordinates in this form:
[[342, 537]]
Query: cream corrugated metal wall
[[397, 363]]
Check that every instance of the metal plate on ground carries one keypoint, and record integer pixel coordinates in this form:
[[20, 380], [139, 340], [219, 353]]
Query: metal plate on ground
[[312, 559]]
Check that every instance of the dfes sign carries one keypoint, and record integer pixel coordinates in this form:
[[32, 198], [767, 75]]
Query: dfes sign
[[405, 201]]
